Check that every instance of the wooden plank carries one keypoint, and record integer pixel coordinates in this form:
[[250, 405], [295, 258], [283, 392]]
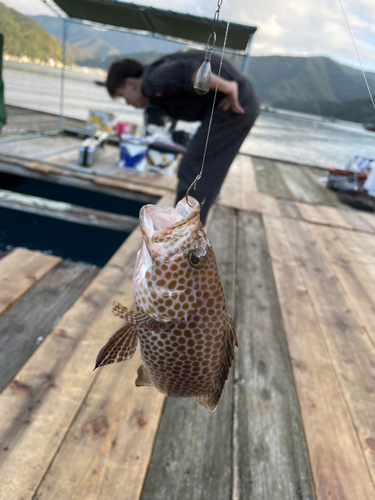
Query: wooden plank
[[39, 147], [270, 205], [368, 218], [360, 245], [146, 182], [68, 179], [334, 217], [41, 404], [304, 187], [311, 214], [337, 463], [356, 221], [19, 271], [289, 209], [106, 164], [230, 192], [351, 350], [327, 196], [130, 186], [192, 456], [272, 460], [25, 325], [107, 450], [66, 211], [39, 167], [246, 166], [357, 282], [249, 196], [269, 179]]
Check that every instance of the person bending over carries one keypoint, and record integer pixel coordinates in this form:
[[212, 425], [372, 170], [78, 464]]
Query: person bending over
[[168, 82]]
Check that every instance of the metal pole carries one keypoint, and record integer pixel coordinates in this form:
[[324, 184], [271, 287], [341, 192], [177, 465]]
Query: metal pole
[[62, 81], [245, 62]]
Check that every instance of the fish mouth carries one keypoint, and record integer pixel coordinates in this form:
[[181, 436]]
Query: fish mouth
[[158, 223]]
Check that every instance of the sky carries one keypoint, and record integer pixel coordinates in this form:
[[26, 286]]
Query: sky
[[285, 27]]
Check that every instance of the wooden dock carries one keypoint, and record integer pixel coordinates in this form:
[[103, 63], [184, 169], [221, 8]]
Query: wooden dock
[[297, 416]]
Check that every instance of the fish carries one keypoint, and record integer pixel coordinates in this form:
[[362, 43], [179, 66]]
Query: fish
[[179, 315]]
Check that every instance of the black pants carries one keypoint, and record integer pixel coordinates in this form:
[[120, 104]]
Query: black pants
[[228, 131]]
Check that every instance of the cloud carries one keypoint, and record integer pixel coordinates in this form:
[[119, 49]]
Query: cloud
[[29, 7], [287, 27]]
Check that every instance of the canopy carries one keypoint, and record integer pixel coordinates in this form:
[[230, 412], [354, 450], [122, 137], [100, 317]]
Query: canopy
[[163, 22]]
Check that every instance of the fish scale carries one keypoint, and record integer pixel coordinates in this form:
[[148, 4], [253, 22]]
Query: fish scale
[[179, 317]]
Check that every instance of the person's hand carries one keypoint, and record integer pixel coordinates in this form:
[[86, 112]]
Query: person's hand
[[231, 101]]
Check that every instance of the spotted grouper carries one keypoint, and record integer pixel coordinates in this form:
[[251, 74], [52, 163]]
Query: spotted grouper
[[179, 317]]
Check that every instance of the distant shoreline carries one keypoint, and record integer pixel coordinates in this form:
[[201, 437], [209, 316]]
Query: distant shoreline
[[52, 64]]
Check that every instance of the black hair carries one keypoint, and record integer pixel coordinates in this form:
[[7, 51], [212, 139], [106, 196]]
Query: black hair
[[119, 70]]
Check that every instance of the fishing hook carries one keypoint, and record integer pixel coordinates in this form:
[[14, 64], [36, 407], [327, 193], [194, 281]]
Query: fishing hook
[[193, 184]]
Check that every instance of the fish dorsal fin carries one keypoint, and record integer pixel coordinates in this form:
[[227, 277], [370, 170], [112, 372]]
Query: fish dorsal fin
[[120, 346], [211, 399], [143, 379], [129, 315]]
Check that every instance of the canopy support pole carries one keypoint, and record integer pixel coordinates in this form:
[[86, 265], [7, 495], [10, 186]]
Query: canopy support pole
[[246, 59], [62, 81]]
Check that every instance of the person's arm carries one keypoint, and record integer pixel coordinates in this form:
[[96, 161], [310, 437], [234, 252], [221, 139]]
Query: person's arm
[[230, 89]]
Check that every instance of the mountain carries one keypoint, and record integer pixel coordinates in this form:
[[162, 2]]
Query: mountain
[[356, 110], [101, 43], [315, 85], [83, 37], [282, 78], [24, 37], [143, 57]]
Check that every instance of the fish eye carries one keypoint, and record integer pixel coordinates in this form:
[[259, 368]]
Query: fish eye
[[197, 258]]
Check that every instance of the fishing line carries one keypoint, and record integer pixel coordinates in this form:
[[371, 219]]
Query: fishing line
[[359, 59], [198, 177]]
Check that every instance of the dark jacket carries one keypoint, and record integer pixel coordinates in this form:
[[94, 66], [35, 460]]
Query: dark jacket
[[167, 83]]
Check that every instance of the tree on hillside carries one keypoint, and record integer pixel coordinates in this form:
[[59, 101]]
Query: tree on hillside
[[24, 37]]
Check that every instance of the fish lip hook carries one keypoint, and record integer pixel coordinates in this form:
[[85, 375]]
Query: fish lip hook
[[192, 185]]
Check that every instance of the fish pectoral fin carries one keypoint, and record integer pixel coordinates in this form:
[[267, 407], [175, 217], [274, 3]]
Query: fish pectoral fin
[[143, 379], [211, 399], [129, 315], [119, 347]]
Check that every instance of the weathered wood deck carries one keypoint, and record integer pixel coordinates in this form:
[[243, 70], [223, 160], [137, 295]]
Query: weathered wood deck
[[28, 121], [297, 416]]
